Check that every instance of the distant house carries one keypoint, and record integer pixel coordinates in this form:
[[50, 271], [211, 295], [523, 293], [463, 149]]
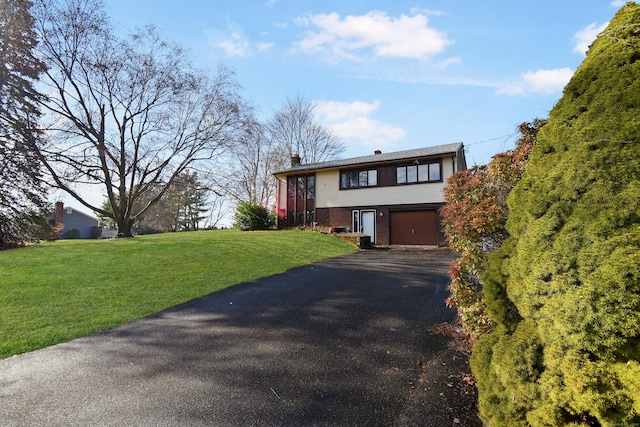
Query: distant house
[[394, 197], [71, 219]]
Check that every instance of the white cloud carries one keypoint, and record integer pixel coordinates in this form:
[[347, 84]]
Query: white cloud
[[233, 41], [350, 121], [235, 45], [265, 46], [584, 37], [618, 3], [441, 65], [541, 81], [428, 12], [334, 110], [372, 35], [369, 133]]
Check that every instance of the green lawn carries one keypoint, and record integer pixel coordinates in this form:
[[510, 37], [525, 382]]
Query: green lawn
[[58, 291]]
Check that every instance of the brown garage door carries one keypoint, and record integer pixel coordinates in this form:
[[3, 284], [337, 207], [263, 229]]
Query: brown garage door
[[414, 228]]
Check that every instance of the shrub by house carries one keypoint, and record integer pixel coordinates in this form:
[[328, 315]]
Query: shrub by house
[[565, 287]]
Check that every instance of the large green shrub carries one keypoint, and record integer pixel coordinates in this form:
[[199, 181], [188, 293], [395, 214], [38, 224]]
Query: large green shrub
[[251, 216], [565, 287]]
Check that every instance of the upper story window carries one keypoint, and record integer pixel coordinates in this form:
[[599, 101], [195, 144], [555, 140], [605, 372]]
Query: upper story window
[[427, 172], [301, 187], [358, 178]]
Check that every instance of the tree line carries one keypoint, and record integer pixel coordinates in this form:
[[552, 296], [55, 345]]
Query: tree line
[[87, 109]]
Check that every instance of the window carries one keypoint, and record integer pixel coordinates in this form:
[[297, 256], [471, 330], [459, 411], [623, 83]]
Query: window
[[423, 173], [363, 180], [353, 179], [301, 192], [358, 178], [344, 180], [301, 185], [372, 178], [412, 173], [434, 172], [291, 186], [427, 172], [311, 187]]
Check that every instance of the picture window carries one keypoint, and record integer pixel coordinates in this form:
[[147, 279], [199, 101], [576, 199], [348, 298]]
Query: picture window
[[410, 174], [358, 178]]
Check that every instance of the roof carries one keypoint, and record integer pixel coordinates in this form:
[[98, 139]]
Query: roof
[[76, 212], [437, 150]]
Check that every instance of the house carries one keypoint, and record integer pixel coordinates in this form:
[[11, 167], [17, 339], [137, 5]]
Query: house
[[393, 197], [71, 219]]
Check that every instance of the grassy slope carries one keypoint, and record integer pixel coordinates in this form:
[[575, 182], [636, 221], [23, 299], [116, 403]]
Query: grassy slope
[[58, 291]]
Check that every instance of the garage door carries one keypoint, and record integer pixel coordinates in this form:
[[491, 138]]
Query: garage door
[[414, 228]]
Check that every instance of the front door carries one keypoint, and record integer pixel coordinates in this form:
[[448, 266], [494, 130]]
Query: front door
[[368, 224]]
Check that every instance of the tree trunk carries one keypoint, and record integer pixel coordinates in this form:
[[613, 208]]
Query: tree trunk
[[124, 229]]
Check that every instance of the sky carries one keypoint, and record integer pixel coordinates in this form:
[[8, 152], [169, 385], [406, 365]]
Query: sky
[[390, 75]]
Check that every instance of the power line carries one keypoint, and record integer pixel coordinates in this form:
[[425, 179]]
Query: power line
[[505, 138]]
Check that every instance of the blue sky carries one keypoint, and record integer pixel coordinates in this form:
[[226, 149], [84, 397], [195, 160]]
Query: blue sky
[[390, 75]]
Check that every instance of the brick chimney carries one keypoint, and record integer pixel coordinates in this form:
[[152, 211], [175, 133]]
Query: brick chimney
[[58, 214], [295, 160]]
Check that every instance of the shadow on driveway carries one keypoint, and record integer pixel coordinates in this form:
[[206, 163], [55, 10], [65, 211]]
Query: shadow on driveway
[[339, 342]]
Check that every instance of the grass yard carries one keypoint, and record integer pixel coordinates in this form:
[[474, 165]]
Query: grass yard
[[58, 291]]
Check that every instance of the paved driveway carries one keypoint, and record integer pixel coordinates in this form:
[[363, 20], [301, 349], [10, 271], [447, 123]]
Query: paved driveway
[[339, 342]]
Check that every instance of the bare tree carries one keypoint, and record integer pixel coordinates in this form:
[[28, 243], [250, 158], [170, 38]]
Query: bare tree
[[252, 160], [265, 149], [127, 115], [219, 209], [295, 130]]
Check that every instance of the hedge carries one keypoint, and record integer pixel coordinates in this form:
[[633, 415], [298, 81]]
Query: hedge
[[565, 287]]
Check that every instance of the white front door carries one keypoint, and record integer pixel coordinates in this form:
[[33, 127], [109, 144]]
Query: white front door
[[368, 224]]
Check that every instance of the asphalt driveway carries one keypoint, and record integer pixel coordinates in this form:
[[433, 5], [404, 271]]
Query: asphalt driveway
[[340, 342]]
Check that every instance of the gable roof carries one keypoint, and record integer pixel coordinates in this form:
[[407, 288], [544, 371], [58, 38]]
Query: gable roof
[[78, 213], [437, 150], [69, 211]]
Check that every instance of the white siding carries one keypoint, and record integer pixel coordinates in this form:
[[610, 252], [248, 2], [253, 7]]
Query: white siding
[[448, 168], [328, 193]]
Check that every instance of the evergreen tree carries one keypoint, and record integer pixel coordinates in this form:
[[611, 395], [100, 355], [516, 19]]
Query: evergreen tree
[[182, 207], [22, 204], [565, 287], [251, 217]]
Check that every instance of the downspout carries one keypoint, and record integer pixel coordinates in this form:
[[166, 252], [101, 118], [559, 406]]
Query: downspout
[[277, 202]]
